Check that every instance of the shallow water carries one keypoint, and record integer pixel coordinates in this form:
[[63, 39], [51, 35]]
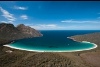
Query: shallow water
[[54, 41]]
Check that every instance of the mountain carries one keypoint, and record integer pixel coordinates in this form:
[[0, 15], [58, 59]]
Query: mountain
[[9, 32]]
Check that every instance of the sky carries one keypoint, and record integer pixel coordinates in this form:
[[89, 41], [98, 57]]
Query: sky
[[52, 15]]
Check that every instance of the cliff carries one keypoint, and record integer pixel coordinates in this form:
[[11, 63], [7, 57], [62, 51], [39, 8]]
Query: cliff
[[9, 32]]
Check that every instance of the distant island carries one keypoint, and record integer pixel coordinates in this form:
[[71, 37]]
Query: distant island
[[8, 32]]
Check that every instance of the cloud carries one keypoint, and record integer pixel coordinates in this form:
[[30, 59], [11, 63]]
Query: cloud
[[46, 26], [10, 17], [20, 8], [64, 27], [3, 22], [83, 27], [24, 17], [83, 21], [67, 27]]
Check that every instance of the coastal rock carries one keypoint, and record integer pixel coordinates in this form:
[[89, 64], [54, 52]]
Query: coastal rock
[[9, 32], [30, 32]]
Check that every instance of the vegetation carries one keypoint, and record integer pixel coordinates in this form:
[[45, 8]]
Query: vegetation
[[93, 37], [20, 58], [8, 32]]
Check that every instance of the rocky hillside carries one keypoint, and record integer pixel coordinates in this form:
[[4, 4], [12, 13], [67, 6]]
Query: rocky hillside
[[9, 32], [92, 37]]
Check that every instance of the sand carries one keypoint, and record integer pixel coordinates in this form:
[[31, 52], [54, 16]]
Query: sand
[[8, 45]]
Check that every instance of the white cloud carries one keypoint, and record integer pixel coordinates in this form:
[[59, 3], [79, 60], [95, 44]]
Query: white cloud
[[7, 15], [20, 8], [82, 21], [3, 22], [46, 26], [24, 17], [83, 27], [64, 27], [67, 27]]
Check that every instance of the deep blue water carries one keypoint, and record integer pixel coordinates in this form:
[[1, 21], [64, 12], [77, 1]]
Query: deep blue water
[[54, 40]]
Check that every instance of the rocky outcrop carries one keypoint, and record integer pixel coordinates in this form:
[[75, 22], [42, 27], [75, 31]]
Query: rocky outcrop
[[9, 32], [30, 32]]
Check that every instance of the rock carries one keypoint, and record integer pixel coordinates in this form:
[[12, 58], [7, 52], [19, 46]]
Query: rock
[[9, 32], [28, 30]]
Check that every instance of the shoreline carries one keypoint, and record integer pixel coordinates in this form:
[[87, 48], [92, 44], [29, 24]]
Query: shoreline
[[73, 39], [95, 46]]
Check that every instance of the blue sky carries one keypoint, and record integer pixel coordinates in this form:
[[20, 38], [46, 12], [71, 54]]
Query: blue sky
[[52, 15]]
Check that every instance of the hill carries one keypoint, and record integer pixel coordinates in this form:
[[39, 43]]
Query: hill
[[8, 32]]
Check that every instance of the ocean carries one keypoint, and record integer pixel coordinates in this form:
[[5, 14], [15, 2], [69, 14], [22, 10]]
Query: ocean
[[54, 41]]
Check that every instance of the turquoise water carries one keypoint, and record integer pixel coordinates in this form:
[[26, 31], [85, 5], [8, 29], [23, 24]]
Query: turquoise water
[[54, 40]]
